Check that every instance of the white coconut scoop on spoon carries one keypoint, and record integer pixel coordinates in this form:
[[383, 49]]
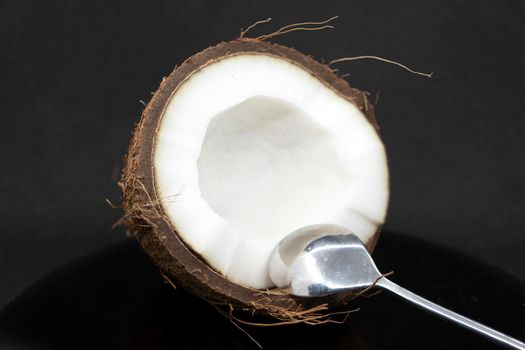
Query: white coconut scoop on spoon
[[319, 260]]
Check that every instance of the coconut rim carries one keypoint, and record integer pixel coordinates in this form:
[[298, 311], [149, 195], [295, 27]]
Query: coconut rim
[[145, 216]]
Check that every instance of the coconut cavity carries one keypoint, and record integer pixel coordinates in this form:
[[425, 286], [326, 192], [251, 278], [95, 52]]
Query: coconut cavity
[[267, 169], [251, 147]]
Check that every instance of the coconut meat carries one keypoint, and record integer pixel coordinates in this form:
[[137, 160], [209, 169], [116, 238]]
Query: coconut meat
[[252, 147]]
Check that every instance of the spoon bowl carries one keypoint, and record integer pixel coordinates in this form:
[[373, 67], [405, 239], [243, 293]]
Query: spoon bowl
[[319, 260]]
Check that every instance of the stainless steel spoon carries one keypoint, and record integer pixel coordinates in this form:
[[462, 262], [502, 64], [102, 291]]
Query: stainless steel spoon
[[325, 259]]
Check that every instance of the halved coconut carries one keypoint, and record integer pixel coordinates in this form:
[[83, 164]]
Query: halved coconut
[[244, 143]]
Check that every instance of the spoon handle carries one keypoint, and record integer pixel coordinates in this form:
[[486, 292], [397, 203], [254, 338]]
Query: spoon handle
[[450, 315]]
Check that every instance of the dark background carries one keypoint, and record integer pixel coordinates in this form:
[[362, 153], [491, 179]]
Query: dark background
[[72, 74]]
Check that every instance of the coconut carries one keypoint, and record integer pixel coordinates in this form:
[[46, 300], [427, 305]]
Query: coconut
[[242, 144]]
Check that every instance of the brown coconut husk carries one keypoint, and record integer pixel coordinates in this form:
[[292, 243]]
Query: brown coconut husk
[[147, 222]]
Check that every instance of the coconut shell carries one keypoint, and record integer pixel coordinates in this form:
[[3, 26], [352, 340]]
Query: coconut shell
[[147, 222]]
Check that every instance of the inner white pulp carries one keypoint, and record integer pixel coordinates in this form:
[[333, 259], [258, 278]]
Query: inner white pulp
[[253, 147]]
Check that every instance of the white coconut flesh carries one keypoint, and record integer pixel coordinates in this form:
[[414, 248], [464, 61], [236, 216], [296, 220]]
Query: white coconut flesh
[[252, 147]]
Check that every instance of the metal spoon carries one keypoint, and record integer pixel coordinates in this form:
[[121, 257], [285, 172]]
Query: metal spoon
[[320, 260]]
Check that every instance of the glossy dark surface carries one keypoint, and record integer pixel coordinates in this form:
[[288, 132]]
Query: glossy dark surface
[[116, 299]]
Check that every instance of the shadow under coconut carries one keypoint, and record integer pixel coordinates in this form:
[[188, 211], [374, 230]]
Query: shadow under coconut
[[117, 299]]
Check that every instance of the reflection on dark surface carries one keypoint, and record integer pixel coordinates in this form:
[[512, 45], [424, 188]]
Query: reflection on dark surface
[[116, 299]]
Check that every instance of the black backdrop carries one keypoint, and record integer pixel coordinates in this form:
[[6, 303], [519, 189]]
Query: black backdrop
[[72, 74]]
